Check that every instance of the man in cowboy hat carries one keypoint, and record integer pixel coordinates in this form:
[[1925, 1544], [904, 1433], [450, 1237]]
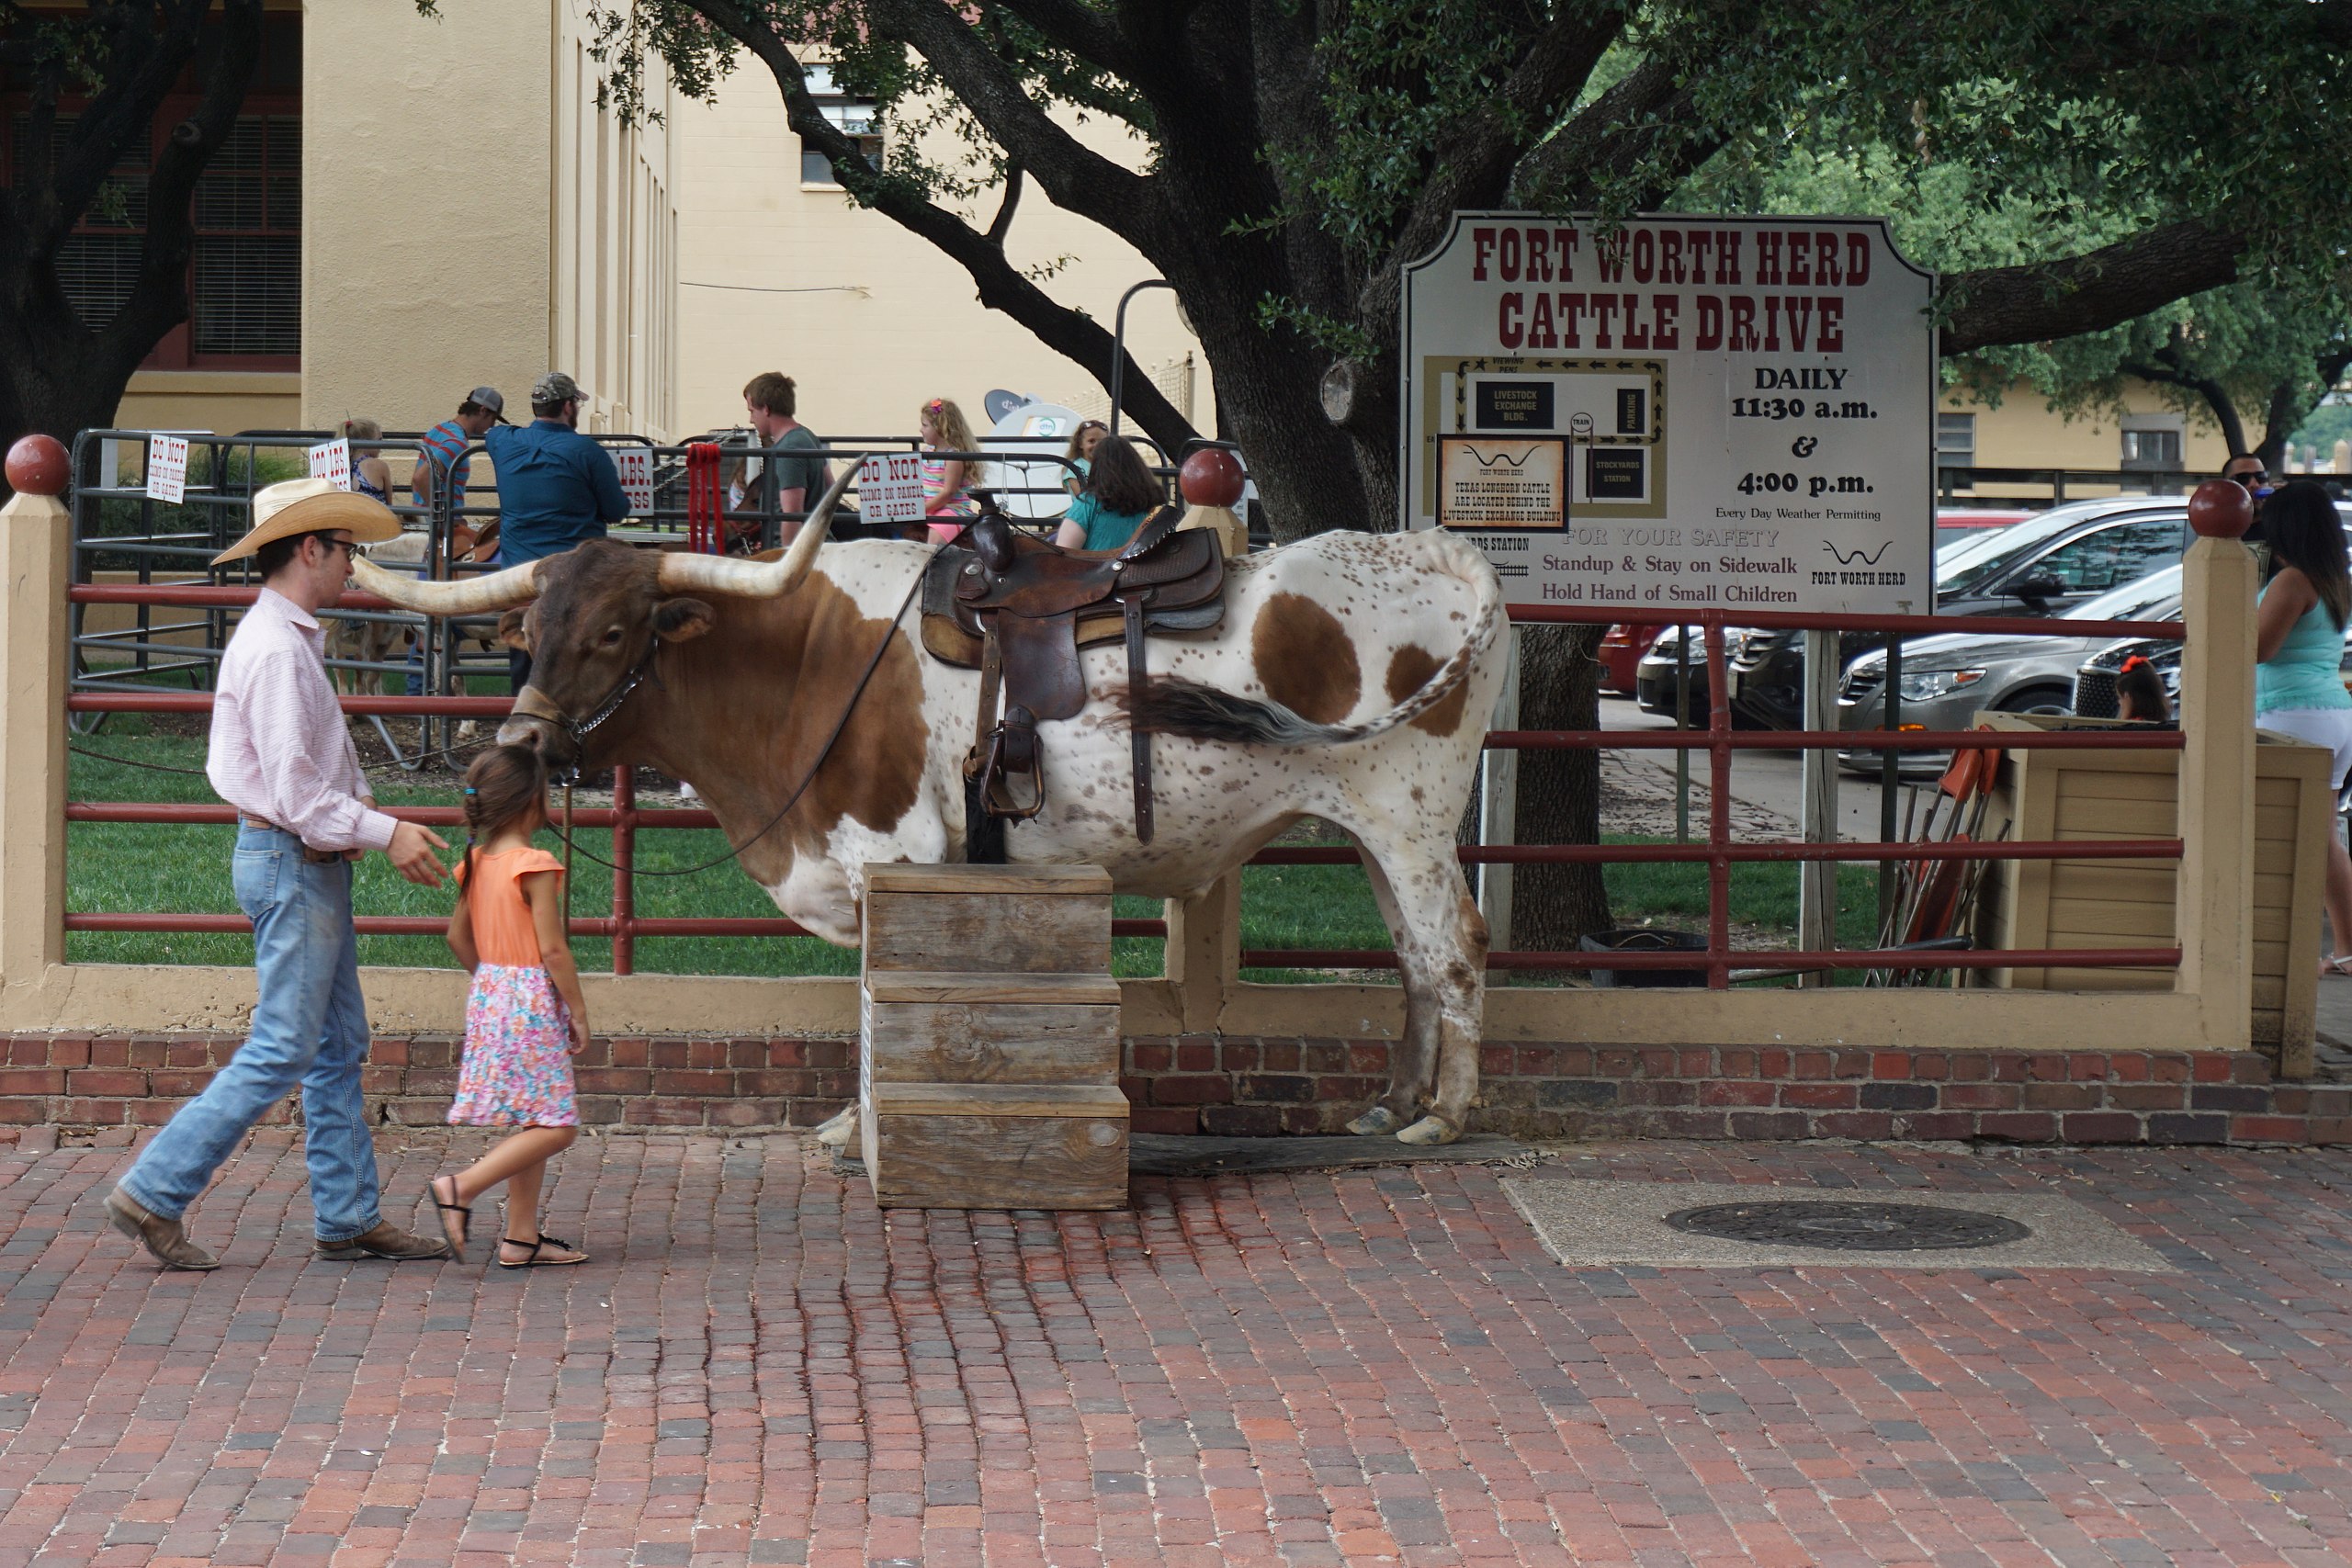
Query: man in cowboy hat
[[281, 755]]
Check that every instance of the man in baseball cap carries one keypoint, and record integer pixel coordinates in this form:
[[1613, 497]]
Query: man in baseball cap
[[556, 487]]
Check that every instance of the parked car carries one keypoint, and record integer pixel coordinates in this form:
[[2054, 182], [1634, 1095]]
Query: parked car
[[2041, 565], [1948, 679], [1621, 648], [1958, 524], [2094, 694]]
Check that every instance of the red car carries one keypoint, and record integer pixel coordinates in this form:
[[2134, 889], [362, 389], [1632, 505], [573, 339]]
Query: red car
[[1621, 648]]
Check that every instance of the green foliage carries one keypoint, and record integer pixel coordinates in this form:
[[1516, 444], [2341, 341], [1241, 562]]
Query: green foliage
[[2249, 340], [2329, 423]]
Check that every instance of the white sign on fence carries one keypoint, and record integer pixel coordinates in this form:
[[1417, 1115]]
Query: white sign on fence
[[636, 466], [890, 488], [1686, 414], [167, 467], [330, 460]]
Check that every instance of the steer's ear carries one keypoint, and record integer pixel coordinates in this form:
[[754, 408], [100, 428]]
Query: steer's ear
[[682, 620], [510, 632]]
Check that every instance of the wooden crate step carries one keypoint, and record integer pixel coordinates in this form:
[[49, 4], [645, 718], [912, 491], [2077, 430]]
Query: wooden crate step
[[1044, 988], [991, 919], [992, 1034], [996, 1145]]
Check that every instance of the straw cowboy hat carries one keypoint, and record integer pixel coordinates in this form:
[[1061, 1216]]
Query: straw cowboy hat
[[311, 506]]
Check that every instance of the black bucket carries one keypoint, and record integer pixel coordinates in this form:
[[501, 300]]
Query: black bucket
[[1644, 941]]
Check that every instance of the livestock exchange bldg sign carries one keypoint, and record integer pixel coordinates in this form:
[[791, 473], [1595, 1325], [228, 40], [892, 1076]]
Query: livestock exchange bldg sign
[[1679, 414]]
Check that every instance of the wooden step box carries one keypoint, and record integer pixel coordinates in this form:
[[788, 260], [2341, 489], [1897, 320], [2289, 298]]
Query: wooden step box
[[989, 1077]]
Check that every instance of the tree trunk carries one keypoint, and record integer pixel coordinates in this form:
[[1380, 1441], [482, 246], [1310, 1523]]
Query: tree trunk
[[1559, 792]]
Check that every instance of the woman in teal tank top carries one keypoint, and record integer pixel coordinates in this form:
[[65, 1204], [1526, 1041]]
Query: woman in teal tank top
[[2299, 638]]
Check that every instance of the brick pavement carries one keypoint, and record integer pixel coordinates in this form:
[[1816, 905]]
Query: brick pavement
[[1324, 1368]]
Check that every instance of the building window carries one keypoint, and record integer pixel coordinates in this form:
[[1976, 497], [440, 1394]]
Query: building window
[[1956, 440], [854, 117], [245, 279], [2152, 449]]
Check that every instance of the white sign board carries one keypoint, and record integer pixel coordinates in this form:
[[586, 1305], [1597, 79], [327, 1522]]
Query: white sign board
[[1687, 413], [636, 466], [890, 488], [167, 467], [330, 460]]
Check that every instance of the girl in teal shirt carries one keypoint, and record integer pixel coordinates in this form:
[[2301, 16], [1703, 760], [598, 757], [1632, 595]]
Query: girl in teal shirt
[[2299, 638], [1120, 493]]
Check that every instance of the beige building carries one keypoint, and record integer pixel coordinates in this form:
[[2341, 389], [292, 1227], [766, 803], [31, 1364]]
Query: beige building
[[445, 205], [461, 213], [2022, 432]]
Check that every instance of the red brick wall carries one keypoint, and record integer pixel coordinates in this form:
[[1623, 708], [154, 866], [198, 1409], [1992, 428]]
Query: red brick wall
[[1202, 1083]]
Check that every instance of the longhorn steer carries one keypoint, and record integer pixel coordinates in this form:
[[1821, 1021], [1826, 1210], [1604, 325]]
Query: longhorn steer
[[1351, 682]]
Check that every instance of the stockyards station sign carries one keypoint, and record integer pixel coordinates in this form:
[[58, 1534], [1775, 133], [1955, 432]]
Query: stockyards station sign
[[1677, 413]]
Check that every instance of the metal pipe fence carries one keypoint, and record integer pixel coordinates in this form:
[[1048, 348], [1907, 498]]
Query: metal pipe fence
[[1718, 853]]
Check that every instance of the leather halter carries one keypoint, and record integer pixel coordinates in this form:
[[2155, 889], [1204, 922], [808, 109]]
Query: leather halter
[[532, 703]]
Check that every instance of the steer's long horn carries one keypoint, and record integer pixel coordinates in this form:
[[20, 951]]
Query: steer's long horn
[[465, 596], [681, 572]]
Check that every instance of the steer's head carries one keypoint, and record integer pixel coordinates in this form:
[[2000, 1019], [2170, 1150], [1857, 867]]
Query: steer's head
[[591, 619]]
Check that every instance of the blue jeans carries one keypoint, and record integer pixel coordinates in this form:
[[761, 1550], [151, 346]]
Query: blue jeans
[[310, 1027]]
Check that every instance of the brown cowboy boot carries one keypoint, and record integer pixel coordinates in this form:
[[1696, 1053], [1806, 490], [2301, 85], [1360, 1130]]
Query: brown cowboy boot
[[166, 1240], [387, 1240]]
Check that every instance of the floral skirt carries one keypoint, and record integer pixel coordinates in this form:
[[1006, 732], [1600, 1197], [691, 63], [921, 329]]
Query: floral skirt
[[517, 1067]]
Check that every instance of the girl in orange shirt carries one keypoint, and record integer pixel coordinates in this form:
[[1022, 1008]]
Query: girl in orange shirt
[[524, 1016]]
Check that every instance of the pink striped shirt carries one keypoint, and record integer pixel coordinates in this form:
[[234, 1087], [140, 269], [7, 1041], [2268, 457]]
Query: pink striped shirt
[[280, 749]]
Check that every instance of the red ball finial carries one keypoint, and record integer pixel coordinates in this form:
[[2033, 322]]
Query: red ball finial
[[37, 465], [2220, 509], [1210, 477]]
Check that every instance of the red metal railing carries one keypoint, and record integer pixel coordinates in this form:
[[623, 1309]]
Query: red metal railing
[[625, 818]]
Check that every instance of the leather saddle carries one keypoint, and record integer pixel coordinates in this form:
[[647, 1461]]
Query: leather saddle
[[1018, 609]]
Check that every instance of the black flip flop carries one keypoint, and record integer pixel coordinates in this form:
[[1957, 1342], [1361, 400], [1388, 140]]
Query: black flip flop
[[457, 1233], [538, 1243]]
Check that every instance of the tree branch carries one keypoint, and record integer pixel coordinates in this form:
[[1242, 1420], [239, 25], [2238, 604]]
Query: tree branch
[[159, 300], [1649, 118], [1075, 178], [2217, 398], [1000, 285], [1002, 223], [2088, 293], [1473, 167]]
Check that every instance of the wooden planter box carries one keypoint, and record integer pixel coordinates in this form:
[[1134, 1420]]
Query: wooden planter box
[[2130, 903], [989, 1072]]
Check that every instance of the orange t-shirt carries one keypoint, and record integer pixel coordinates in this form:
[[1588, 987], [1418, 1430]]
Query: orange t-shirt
[[503, 931]]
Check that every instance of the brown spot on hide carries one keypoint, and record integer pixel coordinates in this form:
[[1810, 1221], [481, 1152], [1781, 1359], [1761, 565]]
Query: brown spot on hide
[[1409, 668], [1304, 660]]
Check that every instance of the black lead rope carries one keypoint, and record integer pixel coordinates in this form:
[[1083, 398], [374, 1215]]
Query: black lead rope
[[806, 779]]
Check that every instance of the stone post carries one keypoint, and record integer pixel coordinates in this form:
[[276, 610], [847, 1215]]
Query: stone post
[[36, 544], [2216, 901]]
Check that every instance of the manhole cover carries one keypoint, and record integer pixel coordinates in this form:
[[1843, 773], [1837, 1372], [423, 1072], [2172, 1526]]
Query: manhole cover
[[1849, 1227]]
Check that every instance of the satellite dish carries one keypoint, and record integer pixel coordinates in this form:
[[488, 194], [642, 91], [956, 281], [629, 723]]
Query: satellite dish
[[999, 402]]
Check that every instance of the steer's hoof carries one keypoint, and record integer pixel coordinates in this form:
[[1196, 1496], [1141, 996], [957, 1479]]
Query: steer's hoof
[[1430, 1130], [1375, 1121], [839, 1130]]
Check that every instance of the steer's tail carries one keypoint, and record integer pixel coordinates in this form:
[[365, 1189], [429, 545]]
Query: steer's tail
[[1171, 705]]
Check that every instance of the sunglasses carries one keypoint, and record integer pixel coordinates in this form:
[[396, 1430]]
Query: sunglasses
[[2259, 477]]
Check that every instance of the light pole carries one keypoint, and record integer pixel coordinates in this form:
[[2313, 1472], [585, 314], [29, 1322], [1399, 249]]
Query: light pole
[[1119, 344]]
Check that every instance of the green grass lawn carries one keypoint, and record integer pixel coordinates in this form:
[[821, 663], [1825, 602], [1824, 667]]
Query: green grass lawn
[[132, 866]]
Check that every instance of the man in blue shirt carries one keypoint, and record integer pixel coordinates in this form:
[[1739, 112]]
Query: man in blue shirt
[[556, 487]]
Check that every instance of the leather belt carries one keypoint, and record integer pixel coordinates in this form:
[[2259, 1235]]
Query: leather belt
[[315, 857]]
